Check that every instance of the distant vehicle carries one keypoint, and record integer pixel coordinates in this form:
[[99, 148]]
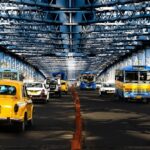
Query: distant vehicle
[[107, 88], [61, 75], [87, 81], [12, 74], [55, 88], [98, 84], [16, 107], [64, 86], [38, 91], [133, 83]]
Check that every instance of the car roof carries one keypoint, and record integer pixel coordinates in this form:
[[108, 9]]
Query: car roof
[[12, 82], [34, 82], [63, 81], [108, 82]]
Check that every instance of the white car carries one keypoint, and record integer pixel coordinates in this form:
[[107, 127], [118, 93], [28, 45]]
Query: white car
[[98, 85], [107, 88], [55, 88], [38, 92]]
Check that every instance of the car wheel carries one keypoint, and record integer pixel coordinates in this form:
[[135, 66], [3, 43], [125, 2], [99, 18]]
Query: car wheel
[[30, 123], [100, 93], [145, 101], [20, 126], [44, 101], [59, 94]]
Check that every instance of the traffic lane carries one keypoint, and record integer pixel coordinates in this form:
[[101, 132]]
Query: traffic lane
[[53, 128], [109, 124]]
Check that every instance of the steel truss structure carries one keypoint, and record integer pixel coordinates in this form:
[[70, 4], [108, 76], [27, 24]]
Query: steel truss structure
[[97, 33]]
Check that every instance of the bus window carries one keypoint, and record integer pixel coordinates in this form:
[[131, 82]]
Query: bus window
[[131, 76], [6, 75], [14, 76], [1, 75], [144, 76], [148, 76]]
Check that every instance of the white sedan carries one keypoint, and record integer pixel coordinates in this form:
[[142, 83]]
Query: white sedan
[[38, 91], [107, 88]]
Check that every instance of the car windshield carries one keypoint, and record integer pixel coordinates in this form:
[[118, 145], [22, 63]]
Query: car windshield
[[108, 85], [53, 83], [63, 83], [98, 82], [7, 90], [39, 85], [144, 76]]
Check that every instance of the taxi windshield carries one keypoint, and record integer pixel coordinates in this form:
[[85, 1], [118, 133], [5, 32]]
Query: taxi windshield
[[39, 85], [7, 90], [108, 85]]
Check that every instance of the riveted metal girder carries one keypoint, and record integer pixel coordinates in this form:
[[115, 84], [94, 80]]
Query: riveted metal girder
[[44, 32]]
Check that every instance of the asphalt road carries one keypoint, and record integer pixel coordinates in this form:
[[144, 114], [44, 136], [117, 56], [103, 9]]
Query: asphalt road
[[112, 125], [53, 128], [108, 125]]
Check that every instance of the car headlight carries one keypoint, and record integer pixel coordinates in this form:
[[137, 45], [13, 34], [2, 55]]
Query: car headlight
[[21, 104]]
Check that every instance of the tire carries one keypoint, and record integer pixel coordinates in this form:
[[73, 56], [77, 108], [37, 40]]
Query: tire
[[100, 93], [20, 126], [145, 101], [59, 95], [45, 101], [30, 123]]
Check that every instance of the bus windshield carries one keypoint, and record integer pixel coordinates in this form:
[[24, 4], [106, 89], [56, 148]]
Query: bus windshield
[[88, 78]]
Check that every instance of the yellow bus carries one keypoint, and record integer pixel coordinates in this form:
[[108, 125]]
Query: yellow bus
[[133, 83]]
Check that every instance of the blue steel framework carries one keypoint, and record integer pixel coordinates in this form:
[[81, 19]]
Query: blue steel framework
[[7, 60], [102, 31]]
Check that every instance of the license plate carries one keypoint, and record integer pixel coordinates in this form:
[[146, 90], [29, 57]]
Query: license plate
[[33, 92], [109, 91]]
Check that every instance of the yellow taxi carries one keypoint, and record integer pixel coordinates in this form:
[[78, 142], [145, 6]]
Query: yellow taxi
[[15, 106], [64, 86]]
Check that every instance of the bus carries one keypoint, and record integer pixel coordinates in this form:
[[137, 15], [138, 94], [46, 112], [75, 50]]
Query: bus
[[11, 74], [88, 80], [132, 83]]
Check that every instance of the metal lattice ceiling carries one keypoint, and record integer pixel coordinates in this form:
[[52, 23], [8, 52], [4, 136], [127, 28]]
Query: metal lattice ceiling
[[44, 32]]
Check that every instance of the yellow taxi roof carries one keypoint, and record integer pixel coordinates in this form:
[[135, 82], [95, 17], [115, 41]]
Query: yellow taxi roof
[[12, 82], [63, 81]]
